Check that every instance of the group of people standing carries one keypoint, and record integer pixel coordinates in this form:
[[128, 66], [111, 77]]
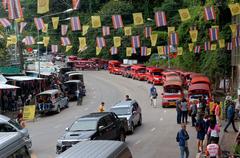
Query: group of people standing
[[207, 122]]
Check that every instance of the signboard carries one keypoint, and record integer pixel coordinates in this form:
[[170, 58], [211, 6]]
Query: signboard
[[29, 112]]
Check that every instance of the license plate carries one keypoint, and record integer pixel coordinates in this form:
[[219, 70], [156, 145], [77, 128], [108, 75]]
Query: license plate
[[171, 103]]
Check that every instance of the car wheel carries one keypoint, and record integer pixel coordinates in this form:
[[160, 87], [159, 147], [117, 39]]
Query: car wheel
[[140, 121], [122, 137], [58, 109], [132, 128]]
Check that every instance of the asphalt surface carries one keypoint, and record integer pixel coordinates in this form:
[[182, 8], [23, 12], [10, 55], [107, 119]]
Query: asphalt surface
[[156, 138]]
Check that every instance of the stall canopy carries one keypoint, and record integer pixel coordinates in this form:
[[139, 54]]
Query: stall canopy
[[3, 80], [23, 78], [7, 86]]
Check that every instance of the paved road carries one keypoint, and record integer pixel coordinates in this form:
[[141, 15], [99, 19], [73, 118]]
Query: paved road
[[156, 138]]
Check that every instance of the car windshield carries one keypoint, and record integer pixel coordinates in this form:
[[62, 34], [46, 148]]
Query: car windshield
[[172, 91], [121, 111], [84, 125], [198, 96], [14, 123], [142, 71], [157, 73]]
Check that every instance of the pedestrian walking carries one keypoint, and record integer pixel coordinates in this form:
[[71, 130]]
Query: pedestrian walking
[[153, 96], [79, 97], [213, 131], [179, 111], [213, 150], [184, 110], [128, 98], [19, 102], [230, 117], [182, 139], [193, 112], [101, 107], [217, 112], [200, 128]]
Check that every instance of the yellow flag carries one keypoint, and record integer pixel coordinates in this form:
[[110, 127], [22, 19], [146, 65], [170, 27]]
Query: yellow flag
[[154, 38], [128, 31], [68, 48], [233, 29], [117, 41], [190, 46], [96, 21], [46, 41], [13, 39], [221, 43], [98, 50], [193, 35], [42, 6], [137, 18], [184, 14], [179, 50], [18, 20], [213, 46], [160, 50], [85, 29], [128, 51], [82, 43], [234, 8], [149, 51], [45, 29], [55, 21], [215, 26], [8, 44], [170, 30]]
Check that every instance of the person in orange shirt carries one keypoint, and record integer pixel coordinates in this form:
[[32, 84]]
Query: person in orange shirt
[[101, 107]]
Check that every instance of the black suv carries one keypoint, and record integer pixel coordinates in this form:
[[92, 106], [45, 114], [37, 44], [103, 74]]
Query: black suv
[[95, 126]]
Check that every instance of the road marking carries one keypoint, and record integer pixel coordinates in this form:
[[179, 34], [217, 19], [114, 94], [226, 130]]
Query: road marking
[[139, 141], [161, 119], [85, 109], [153, 129]]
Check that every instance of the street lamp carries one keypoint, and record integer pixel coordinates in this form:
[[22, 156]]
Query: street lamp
[[66, 11]]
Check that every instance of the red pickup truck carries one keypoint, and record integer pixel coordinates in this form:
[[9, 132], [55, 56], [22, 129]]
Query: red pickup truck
[[154, 75], [114, 67]]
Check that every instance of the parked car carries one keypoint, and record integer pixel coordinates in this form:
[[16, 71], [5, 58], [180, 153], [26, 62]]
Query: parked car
[[139, 73], [10, 125], [72, 86], [99, 149], [114, 66], [86, 65], [51, 100], [75, 75], [124, 68], [200, 79], [13, 145], [72, 58], [129, 110], [94, 126], [172, 92], [154, 75]]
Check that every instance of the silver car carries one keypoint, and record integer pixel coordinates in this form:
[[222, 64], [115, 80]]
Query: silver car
[[129, 110], [9, 125]]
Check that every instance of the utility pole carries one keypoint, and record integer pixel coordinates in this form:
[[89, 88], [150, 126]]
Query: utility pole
[[18, 49]]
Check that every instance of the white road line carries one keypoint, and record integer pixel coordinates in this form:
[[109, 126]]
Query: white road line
[[153, 129], [85, 109], [139, 141]]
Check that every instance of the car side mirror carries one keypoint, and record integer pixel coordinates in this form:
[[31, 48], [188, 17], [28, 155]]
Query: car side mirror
[[67, 129], [100, 128]]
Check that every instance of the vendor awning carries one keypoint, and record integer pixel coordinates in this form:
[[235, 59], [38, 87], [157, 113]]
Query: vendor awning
[[7, 86], [22, 78]]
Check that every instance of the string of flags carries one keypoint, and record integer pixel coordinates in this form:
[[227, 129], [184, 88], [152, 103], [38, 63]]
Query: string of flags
[[15, 12]]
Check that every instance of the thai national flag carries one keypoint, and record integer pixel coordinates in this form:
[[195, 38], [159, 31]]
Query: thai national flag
[[207, 46], [209, 13], [65, 41], [174, 38], [39, 23], [229, 46], [4, 3], [14, 9], [147, 31], [213, 34], [22, 26], [134, 51], [160, 18], [105, 30], [136, 41], [117, 21], [113, 50], [143, 51], [166, 49], [64, 29], [28, 40], [5, 22], [75, 4], [54, 48], [238, 30], [197, 49], [75, 23], [100, 42], [237, 42]]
